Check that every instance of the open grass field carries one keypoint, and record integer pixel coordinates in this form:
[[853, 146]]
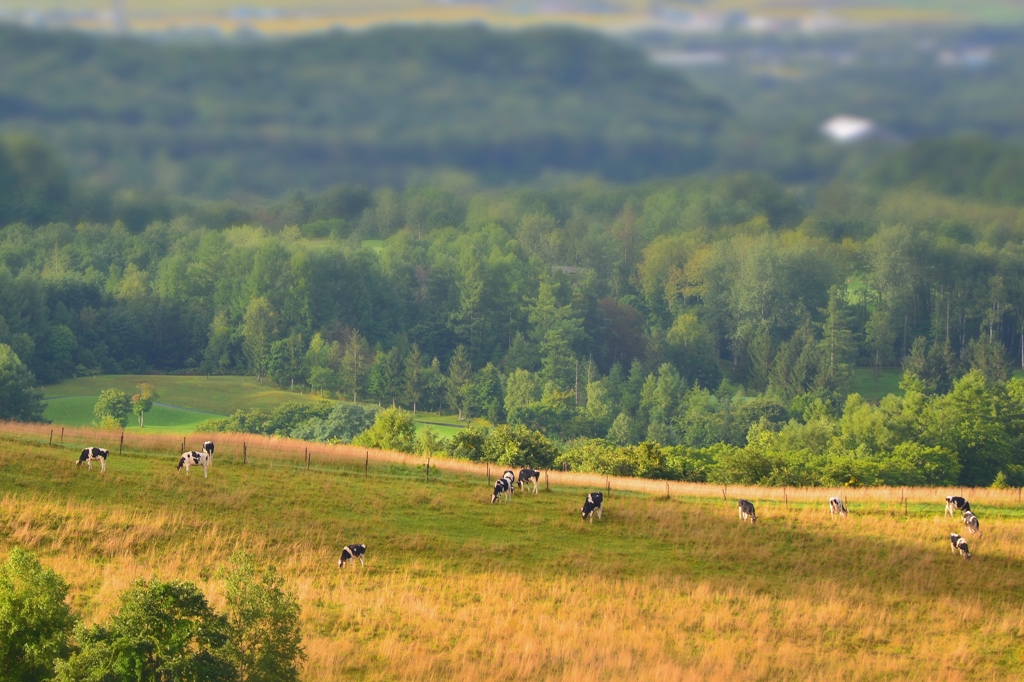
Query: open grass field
[[455, 588], [869, 388], [186, 401]]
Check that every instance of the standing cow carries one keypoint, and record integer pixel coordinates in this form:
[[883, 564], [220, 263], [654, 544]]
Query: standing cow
[[837, 507], [352, 552], [955, 503], [971, 523], [501, 489], [191, 459], [527, 476], [592, 504], [90, 455], [747, 511], [959, 545]]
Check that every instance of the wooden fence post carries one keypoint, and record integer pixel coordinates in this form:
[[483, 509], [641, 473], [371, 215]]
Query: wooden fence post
[[547, 484], [488, 472], [307, 459], [62, 435], [608, 485], [785, 492], [723, 493], [366, 466], [245, 454], [121, 446], [51, 436], [183, 446], [428, 467]]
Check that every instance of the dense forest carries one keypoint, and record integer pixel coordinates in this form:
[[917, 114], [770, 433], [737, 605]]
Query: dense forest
[[687, 313]]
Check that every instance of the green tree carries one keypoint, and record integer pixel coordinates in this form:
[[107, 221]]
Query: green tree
[[413, 378], [623, 430], [258, 332], [385, 380], [142, 402], [837, 340], [35, 620], [287, 361], [393, 429], [263, 623], [354, 365], [879, 340], [460, 381], [19, 400], [113, 404], [516, 445], [163, 632]]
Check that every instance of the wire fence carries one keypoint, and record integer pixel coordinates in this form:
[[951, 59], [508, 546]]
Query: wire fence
[[243, 448]]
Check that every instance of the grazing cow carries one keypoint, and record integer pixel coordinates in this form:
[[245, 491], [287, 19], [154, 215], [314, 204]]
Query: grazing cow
[[89, 455], [528, 475], [208, 449], [971, 522], [352, 552], [592, 504], [193, 458], [510, 476], [501, 489], [747, 511], [959, 544], [836, 507], [955, 503]]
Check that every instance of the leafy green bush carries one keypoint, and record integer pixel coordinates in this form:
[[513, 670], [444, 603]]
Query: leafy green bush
[[164, 631], [263, 623], [35, 620], [344, 422], [392, 429]]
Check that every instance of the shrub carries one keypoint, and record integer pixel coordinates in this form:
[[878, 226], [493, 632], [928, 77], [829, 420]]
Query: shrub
[[393, 429], [112, 407], [35, 621], [263, 622], [344, 422], [164, 631]]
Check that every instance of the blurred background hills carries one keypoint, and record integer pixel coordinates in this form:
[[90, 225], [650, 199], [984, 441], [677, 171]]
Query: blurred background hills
[[217, 101]]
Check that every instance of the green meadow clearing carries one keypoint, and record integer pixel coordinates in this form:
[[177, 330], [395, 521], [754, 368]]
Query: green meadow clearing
[[186, 401], [457, 588]]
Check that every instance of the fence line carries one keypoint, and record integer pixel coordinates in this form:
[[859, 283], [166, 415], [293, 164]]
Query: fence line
[[257, 448]]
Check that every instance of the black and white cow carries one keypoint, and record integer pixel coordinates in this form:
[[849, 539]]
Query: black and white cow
[[971, 523], [501, 489], [836, 507], [352, 552], [527, 476], [90, 455], [193, 458], [959, 545], [592, 504], [955, 503], [747, 511], [510, 476], [208, 449]]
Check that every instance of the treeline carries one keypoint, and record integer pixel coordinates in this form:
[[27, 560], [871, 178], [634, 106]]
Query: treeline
[[161, 631], [217, 119]]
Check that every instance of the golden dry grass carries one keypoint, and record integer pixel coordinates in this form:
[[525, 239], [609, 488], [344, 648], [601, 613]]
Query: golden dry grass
[[457, 588]]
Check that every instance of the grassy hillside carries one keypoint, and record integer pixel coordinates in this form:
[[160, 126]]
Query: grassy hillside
[[456, 587], [186, 401]]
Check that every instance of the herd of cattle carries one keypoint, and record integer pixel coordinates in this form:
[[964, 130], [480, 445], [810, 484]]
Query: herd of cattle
[[504, 488]]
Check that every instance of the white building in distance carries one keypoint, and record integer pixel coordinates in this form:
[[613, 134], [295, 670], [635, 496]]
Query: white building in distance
[[846, 129]]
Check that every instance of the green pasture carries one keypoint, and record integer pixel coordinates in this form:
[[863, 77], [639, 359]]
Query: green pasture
[[186, 401], [870, 388]]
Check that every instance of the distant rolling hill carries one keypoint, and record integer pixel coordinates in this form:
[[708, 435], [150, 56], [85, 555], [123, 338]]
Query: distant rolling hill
[[216, 118]]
